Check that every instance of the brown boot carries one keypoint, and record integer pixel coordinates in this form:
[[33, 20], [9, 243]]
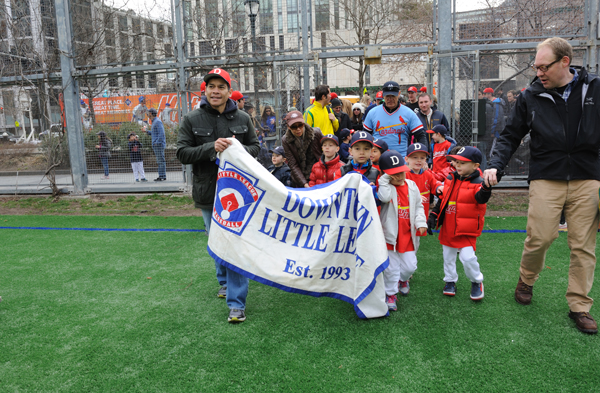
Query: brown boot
[[523, 293], [584, 322]]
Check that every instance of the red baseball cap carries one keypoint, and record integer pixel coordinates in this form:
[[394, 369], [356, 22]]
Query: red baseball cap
[[236, 95], [488, 90], [379, 95], [423, 89], [218, 73], [202, 87], [412, 88], [334, 95]]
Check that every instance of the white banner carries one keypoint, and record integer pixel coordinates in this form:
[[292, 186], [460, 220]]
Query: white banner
[[322, 241]]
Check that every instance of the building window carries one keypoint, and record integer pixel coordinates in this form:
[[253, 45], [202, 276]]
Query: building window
[[123, 23], [272, 42], [205, 48], [231, 46], [281, 43], [292, 16], [266, 17], [136, 26], [321, 15], [261, 45], [192, 49]]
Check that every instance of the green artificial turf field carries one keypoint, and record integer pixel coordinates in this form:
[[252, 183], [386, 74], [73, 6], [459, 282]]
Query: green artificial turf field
[[99, 311]]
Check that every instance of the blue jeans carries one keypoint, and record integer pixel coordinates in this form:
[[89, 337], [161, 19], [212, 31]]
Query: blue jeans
[[237, 284], [159, 152], [104, 161]]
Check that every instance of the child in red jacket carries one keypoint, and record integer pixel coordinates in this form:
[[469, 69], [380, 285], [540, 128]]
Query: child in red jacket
[[416, 160], [441, 146], [324, 170], [460, 213]]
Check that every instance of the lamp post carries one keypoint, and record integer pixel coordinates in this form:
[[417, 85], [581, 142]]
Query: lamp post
[[252, 7]]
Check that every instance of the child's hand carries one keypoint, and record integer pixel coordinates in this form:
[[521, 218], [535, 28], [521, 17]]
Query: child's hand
[[371, 184], [422, 230]]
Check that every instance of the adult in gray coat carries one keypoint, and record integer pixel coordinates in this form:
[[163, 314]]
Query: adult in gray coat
[[202, 134]]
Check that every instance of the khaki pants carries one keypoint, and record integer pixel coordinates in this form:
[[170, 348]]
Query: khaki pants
[[580, 201]]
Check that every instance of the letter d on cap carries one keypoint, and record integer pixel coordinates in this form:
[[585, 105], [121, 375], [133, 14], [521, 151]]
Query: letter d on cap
[[395, 160], [362, 135]]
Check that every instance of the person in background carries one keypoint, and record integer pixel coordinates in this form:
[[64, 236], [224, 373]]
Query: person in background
[[302, 145], [378, 101], [356, 120], [413, 102], [267, 123], [279, 168], [135, 156], [165, 116], [343, 118], [319, 115], [104, 145], [345, 137], [159, 142], [140, 112]]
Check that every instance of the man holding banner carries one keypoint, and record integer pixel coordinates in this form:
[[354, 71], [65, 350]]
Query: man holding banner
[[203, 133]]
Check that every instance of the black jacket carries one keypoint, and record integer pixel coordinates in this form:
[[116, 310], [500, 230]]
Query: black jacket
[[282, 174], [198, 131], [436, 118], [537, 110], [372, 173], [344, 121]]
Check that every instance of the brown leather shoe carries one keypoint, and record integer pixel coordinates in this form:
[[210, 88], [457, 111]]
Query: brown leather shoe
[[523, 293], [584, 322]]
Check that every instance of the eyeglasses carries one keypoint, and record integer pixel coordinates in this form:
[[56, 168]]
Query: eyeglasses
[[356, 109], [297, 126], [544, 68]]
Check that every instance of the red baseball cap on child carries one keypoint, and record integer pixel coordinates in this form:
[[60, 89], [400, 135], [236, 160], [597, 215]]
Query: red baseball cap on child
[[488, 90]]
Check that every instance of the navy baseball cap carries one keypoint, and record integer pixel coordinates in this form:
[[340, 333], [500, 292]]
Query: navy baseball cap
[[167, 104], [278, 150], [330, 137], [381, 144], [391, 88], [392, 162], [344, 133], [152, 111], [131, 134], [416, 147], [440, 128], [361, 136], [468, 153]]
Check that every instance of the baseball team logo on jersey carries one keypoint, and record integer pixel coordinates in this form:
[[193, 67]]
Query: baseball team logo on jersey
[[236, 198], [451, 209], [403, 213]]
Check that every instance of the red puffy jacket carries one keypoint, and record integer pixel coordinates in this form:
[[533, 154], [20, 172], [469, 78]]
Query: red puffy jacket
[[323, 172], [470, 203]]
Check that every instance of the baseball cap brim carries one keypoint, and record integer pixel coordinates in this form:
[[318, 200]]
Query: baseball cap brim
[[430, 132], [418, 151], [298, 119], [393, 171], [362, 140], [329, 139], [390, 93], [459, 158]]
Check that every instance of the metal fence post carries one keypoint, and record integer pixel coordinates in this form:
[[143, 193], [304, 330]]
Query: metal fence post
[[445, 63], [592, 50], [71, 97], [306, 68]]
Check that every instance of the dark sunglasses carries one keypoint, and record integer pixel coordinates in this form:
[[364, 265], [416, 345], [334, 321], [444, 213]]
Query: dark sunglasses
[[297, 126]]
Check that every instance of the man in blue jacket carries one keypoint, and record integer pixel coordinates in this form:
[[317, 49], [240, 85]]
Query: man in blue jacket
[[560, 109], [159, 141]]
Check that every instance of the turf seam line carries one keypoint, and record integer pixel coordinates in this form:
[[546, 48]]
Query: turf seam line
[[107, 229], [195, 230]]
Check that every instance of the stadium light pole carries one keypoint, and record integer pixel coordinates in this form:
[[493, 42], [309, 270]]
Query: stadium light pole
[[252, 7]]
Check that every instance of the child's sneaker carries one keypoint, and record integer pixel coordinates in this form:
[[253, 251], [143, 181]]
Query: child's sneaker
[[391, 302], [144, 179], [403, 287], [476, 291], [450, 289], [222, 292], [137, 180], [236, 316]]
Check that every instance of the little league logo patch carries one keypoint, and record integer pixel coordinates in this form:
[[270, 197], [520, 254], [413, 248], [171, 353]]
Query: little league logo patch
[[236, 198]]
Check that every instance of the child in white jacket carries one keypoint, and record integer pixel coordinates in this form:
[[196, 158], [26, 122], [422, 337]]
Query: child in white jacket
[[402, 215]]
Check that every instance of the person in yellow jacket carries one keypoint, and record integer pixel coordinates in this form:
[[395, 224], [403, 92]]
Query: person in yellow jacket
[[319, 114]]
